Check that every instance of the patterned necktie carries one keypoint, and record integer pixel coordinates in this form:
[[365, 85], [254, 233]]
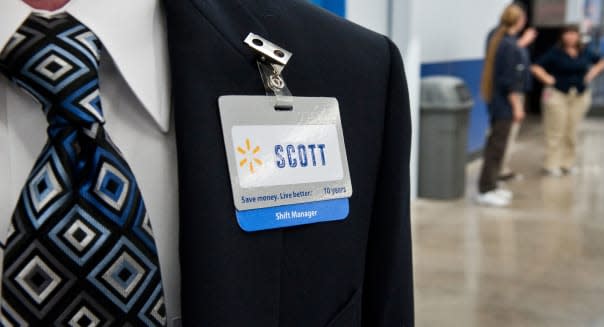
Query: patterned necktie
[[80, 250]]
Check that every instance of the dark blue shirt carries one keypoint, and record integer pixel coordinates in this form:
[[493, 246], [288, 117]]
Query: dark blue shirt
[[569, 72], [510, 76]]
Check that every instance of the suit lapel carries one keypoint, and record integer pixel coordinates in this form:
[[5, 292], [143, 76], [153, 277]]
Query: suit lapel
[[209, 60]]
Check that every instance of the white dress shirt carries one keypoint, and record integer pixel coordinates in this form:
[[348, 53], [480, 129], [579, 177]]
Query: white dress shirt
[[134, 87]]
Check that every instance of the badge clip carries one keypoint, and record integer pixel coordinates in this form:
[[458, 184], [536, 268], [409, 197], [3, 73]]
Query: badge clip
[[272, 60]]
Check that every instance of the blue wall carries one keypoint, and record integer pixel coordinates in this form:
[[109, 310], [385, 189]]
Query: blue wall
[[470, 71], [336, 6]]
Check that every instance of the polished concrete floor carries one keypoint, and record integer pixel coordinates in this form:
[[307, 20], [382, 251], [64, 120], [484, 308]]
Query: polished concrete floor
[[538, 263]]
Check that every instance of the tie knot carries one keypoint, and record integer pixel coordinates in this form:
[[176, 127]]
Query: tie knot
[[55, 59]]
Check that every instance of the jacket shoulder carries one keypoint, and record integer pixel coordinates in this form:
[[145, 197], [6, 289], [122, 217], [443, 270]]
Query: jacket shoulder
[[328, 47], [301, 22]]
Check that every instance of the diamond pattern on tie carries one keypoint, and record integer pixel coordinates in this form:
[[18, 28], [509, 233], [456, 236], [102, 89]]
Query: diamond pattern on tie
[[112, 186], [37, 279], [80, 250], [79, 235], [85, 311], [44, 187], [124, 274], [47, 189], [54, 68]]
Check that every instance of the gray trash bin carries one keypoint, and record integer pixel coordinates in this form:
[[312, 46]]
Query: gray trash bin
[[445, 106]]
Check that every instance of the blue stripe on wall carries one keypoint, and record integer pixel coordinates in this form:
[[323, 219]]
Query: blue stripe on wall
[[470, 71], [338, 7]]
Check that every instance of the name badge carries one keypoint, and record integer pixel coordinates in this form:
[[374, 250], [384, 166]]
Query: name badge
[[287, 167]]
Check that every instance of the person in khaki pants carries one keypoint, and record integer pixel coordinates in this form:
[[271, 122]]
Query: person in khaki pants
[[562, 114], [566, 70]]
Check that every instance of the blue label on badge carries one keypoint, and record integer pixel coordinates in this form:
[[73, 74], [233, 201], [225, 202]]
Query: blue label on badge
[[293, 215]]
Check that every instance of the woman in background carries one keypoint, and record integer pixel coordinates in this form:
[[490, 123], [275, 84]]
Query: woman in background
[[503, 80], [566, 70], [507, 174]]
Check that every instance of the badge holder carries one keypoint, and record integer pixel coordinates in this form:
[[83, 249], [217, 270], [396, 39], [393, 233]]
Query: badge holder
[[286, 155], [272, 59]]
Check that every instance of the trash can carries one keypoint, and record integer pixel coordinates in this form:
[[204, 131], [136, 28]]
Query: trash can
[[445, 105]]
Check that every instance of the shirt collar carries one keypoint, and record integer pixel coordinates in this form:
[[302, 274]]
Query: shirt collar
[[132, 31]]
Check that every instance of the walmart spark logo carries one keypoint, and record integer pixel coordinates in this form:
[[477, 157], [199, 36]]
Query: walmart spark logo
[[250, 156]]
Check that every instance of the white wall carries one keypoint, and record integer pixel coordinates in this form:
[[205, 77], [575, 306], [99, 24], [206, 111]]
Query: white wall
[[404, 32], [455, 30], [397, 19], [372, 14], [447, 30], [575, 11]]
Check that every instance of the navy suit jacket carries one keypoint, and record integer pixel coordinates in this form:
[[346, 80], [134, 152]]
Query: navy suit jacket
[[356, 272]]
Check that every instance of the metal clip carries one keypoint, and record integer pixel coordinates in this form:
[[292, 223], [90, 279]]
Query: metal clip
[[272, 59], [269, 52]]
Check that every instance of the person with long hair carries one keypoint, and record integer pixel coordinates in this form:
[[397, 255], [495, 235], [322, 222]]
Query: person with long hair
[[507, 173], [503, 85], [566, 70]]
